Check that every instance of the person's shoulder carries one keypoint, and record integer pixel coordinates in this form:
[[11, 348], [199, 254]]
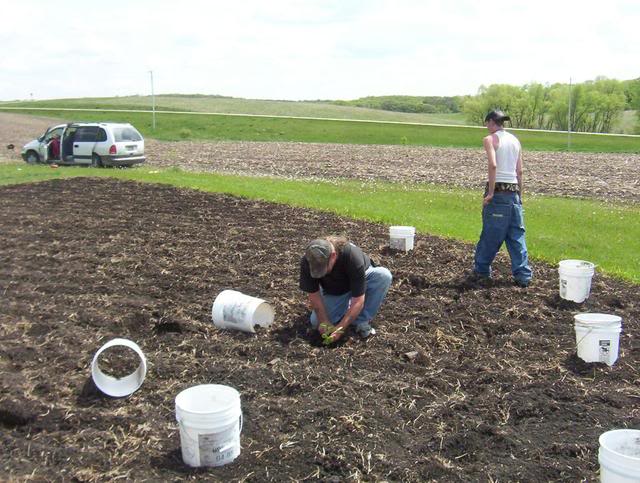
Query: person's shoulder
[[350, 247]]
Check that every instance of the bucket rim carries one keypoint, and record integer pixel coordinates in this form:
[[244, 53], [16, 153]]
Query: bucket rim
[[231, 404], [605, 319], [409, 230], [605, 440], [576, 264]]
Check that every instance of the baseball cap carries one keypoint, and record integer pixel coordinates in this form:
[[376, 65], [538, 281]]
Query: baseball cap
[[317, 254], [496, 116]]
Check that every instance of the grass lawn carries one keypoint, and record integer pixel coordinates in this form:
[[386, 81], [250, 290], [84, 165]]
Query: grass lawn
[[557, 228], [171, 126]]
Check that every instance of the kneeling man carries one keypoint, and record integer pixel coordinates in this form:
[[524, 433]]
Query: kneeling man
[[343, 286]]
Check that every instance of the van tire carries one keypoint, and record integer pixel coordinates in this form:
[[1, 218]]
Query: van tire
[[96, 162], [32, 157]]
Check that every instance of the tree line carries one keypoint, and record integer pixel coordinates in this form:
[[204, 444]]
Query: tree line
[[415, 104], [591, 106], [596, 105]]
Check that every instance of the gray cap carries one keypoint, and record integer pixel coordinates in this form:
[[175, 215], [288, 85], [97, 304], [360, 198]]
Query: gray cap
[[317, 254]]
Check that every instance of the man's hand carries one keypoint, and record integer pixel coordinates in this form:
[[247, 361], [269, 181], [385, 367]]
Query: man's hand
[[487, 199], [333, 336]]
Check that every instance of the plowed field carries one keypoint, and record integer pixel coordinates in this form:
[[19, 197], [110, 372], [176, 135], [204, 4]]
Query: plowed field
[[462, 382]]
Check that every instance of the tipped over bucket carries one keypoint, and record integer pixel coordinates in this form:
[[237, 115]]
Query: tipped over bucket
[[575, 279], [598, 337], [619, 456], [235, 310], [210, 420]]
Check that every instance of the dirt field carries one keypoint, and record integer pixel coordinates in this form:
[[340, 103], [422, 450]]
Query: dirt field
[[462, 382], [610, 177]]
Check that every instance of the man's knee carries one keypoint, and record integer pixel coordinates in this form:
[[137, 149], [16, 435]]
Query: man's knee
[[383, 275]]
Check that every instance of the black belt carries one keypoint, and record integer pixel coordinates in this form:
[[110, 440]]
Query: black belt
[[507, 187]]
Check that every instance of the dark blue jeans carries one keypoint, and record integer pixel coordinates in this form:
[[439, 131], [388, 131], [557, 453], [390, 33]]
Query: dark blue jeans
[[502, 222], [378, 283]]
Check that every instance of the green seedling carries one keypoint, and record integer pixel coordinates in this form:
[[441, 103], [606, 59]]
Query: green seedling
[[329, 330]]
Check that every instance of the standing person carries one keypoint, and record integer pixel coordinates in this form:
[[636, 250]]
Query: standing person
[[54, 146], [343, 286], [502, 219]]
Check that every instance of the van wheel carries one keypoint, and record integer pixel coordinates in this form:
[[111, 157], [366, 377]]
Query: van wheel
[[96, 162], [32, 157]]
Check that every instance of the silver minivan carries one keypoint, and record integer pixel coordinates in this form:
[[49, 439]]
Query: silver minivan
[[87, 143]]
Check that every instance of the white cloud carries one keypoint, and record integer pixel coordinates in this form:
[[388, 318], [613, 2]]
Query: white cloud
[[294, 49]]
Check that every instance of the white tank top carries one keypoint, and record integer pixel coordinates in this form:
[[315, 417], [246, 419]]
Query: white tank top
[[507, 157]]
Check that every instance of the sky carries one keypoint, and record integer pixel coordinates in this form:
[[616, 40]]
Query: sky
[[303, 50]]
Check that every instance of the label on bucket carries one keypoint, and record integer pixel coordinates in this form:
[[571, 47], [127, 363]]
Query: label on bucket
[[398, 243], [215, 448], [235, 313], [605, 350]]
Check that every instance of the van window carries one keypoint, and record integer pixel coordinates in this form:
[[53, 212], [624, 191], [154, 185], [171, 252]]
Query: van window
[[86, 134], [50, 134], [102, 135], [126, 134]]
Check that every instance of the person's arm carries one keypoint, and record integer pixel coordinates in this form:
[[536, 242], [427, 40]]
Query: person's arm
[[357, 304], [519, 171], [317, 305], [491, 168]]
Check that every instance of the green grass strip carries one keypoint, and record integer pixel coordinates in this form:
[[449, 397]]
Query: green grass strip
[[199, 126], [557, 228]]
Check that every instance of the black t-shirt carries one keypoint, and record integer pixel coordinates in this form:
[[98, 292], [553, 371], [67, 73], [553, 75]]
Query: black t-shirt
[[347, 274]]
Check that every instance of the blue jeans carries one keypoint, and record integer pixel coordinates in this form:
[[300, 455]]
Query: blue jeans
[[502, 221], [378, 283]]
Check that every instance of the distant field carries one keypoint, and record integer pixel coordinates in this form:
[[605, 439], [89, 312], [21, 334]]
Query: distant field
[[204, 127], [229, 105]]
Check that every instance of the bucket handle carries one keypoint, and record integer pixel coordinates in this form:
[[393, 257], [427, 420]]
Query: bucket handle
[[585, 336]]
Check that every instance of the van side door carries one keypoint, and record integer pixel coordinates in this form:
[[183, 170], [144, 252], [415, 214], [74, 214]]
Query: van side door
[[83, 143]]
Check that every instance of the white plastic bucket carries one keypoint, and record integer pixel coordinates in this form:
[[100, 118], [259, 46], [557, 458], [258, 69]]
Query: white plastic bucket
[[598, 337], [401, 237], [619, 456], [575, 279], [235, 310], [210, 420], [119, 387]]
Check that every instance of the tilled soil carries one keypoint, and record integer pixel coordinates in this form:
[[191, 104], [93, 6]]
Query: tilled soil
[[609, 177], [463, 382]]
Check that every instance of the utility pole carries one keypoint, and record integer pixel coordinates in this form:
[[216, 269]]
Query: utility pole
[[569, 120], [153, 102]]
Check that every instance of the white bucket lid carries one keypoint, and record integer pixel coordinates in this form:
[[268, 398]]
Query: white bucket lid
[[119, 387], [576, 265], [593, 320], [402, 230]]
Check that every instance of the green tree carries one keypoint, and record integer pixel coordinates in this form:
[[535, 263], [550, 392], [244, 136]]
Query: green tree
[[633, 99]]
